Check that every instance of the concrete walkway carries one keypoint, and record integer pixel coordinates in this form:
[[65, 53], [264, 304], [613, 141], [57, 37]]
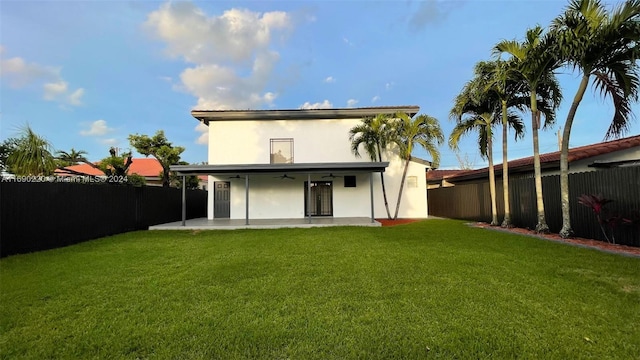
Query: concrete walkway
[[232, 224]]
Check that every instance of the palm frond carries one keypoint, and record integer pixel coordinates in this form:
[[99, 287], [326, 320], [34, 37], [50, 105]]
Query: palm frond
[[607, 85]]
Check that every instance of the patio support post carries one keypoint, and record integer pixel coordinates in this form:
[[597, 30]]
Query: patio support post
[[309, 196], [184, 200], [246, 195], [371, 193]]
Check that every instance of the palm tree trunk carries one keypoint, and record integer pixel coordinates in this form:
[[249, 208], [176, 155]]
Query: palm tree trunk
[[492, 178], [566, 230], [542, 226], [506, 223], [384, 189], [404, 176]]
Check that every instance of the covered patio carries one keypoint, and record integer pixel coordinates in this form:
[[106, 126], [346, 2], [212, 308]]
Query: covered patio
[[247, 171]]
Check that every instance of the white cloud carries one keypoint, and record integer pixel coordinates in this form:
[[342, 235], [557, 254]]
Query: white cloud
[[375, 98], [220, 88], [109, 141], [329, 79], [389, 85], [347, 41], [236, 35], [21, 74], [54, 90], [352, 102], [319, 105], [203, 129], [97, 128], [76, 97], [231, 56]]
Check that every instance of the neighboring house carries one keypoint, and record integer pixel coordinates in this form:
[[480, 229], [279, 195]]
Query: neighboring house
[[149, 168], [277, 164], [615, 153], [203, 182]]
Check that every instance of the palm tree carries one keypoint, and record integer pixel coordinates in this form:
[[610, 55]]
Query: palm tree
[[476, 109], [603, 45], [32, 156], [374, 134], [73, 157], [504, 82], [423, 131], [535, 65]]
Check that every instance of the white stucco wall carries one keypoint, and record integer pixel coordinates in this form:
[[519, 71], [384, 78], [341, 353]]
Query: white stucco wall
[[315, 141], [248, 142], [583, 165]]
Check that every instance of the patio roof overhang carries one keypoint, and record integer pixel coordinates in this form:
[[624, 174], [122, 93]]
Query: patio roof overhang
[[298, 168], [261, 169]]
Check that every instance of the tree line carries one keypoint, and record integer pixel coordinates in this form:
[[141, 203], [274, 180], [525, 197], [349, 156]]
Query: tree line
[[30, 154], [598, 43]]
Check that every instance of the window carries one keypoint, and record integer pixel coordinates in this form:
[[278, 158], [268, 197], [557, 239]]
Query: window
[[349, 181], [412, 181], [281, 151]]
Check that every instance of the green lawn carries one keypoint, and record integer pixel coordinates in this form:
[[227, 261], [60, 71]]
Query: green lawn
[[433, 289]]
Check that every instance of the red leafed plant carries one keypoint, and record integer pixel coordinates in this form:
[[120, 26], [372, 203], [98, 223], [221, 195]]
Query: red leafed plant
[[597, 203]]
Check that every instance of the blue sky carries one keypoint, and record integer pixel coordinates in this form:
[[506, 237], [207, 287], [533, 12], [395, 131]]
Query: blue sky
[[86, 74]]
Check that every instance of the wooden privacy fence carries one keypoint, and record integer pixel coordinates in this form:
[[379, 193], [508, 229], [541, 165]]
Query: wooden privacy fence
[[622, 185], [39, 216]]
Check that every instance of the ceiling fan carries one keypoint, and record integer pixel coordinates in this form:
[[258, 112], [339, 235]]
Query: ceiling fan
[[235, 177], [285, 176], [331, 176]]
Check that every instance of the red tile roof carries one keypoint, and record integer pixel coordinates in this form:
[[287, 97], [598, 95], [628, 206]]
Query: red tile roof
[[147, 167], [439, 174], [550, 160]]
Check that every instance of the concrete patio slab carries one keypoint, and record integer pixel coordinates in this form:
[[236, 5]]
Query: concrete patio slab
[[232, 224]]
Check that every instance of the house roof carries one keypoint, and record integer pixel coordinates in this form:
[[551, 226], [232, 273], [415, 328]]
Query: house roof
[[421, 161], [438, 175], [249, 169], [300, 114], [547, 161], [147, 167]]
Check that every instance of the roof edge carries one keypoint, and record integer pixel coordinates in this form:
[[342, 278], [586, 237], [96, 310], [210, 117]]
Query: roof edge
[[243, 169], [300, 114]]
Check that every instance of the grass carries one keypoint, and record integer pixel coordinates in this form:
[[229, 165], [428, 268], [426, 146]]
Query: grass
[[435, 289]]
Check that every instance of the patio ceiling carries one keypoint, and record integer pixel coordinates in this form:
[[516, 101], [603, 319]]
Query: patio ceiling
[[305, 168]]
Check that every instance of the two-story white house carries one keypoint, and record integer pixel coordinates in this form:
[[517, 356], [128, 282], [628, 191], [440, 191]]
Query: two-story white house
[[283, 164]]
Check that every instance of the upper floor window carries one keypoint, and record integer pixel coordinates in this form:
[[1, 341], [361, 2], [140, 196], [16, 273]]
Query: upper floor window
[[282, 151], [412, 181]]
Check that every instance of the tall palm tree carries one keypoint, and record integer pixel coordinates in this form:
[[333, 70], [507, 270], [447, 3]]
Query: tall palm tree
[[32, 156], [73, 157], [374, 134], [476, 109], [535, 64], [501, 78], [423, 131], [603, 45]]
